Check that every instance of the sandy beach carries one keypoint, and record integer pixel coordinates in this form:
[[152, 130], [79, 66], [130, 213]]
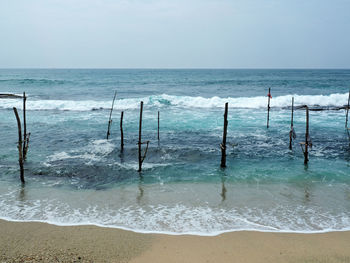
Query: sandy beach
[[34, 242]]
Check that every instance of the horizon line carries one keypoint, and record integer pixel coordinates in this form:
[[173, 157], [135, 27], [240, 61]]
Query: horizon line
[[182, 68]]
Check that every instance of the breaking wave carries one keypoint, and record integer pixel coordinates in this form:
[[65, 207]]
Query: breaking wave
[[164, 100], [176, 219]]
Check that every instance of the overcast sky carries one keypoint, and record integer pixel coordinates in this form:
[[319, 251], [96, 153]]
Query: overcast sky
[[175, 33]]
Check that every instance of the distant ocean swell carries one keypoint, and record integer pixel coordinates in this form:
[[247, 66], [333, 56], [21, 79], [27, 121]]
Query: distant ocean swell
[[332, 100], [30, 81]]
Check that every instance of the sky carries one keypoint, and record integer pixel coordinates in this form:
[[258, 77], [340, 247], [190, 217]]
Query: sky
[[174, 34]]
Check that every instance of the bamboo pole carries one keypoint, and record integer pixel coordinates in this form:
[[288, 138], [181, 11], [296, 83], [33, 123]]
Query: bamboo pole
[[110, 117], [158, 126], [139, 143], [291, 133], [347, 112], [268, 107], [223, 144], [20, 153], [306, 152], [121, 132]]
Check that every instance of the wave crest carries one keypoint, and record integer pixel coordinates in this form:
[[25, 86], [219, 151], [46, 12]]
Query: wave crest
[[165, 100]]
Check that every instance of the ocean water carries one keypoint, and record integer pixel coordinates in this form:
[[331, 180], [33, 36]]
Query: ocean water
[[75, 176]]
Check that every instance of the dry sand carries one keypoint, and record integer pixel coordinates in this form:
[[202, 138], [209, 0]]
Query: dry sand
[[40, 242]]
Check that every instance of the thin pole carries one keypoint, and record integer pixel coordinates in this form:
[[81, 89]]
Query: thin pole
[[139, 143], [291, 126], [347, 111], [306, 153], [158, 125], [121, 132], [268, 107], [20, 154], [110, 116], [24, 127], [223, 145]]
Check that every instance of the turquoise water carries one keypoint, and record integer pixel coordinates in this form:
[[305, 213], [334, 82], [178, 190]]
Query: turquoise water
[[75, 176]]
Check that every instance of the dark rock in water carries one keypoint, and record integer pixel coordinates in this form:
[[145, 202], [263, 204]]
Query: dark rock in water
[[95, 109]]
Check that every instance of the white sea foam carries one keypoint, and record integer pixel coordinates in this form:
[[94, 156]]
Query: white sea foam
[[93, 152], [178, 219], [145, 166], [164, 100], [128, 208]]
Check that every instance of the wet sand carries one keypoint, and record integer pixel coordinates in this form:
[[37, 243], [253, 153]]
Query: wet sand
[[40, 242]]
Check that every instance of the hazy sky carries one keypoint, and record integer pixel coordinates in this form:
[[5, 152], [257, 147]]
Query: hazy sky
[[175, 33]]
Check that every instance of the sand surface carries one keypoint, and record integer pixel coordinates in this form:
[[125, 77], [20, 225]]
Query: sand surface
[[250, 247], [40, 242]]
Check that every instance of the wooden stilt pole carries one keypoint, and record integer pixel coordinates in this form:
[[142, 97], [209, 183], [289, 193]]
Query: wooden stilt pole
[[141, 158], [110, 117], [20, 153], [158, 126], [306, 152], [223, 144], [139, 143], [268, 107], [27, 144], [25, 140], [291, 133], [347, 111], [121, 132]]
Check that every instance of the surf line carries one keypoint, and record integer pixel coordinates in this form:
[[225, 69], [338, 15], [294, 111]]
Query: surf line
[[23, 141]]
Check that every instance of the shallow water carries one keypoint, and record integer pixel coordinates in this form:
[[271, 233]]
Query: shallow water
[[75, 176]]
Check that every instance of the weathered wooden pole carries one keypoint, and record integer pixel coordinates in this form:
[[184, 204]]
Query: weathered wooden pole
[[347, 111], [25, 146], [141, 158], [291, 133], [139, 143], [158, 126], [306, 152], [268, 107], [223, 144], [20, 153], [121, 132], [110, 117]]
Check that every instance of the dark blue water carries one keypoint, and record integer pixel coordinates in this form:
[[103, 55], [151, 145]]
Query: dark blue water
[[99, 84]]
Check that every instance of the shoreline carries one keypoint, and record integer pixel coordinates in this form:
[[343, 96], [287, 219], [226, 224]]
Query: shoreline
[[169, 233], [35, 241]]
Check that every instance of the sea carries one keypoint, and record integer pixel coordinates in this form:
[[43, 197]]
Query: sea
[[75, 176]]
